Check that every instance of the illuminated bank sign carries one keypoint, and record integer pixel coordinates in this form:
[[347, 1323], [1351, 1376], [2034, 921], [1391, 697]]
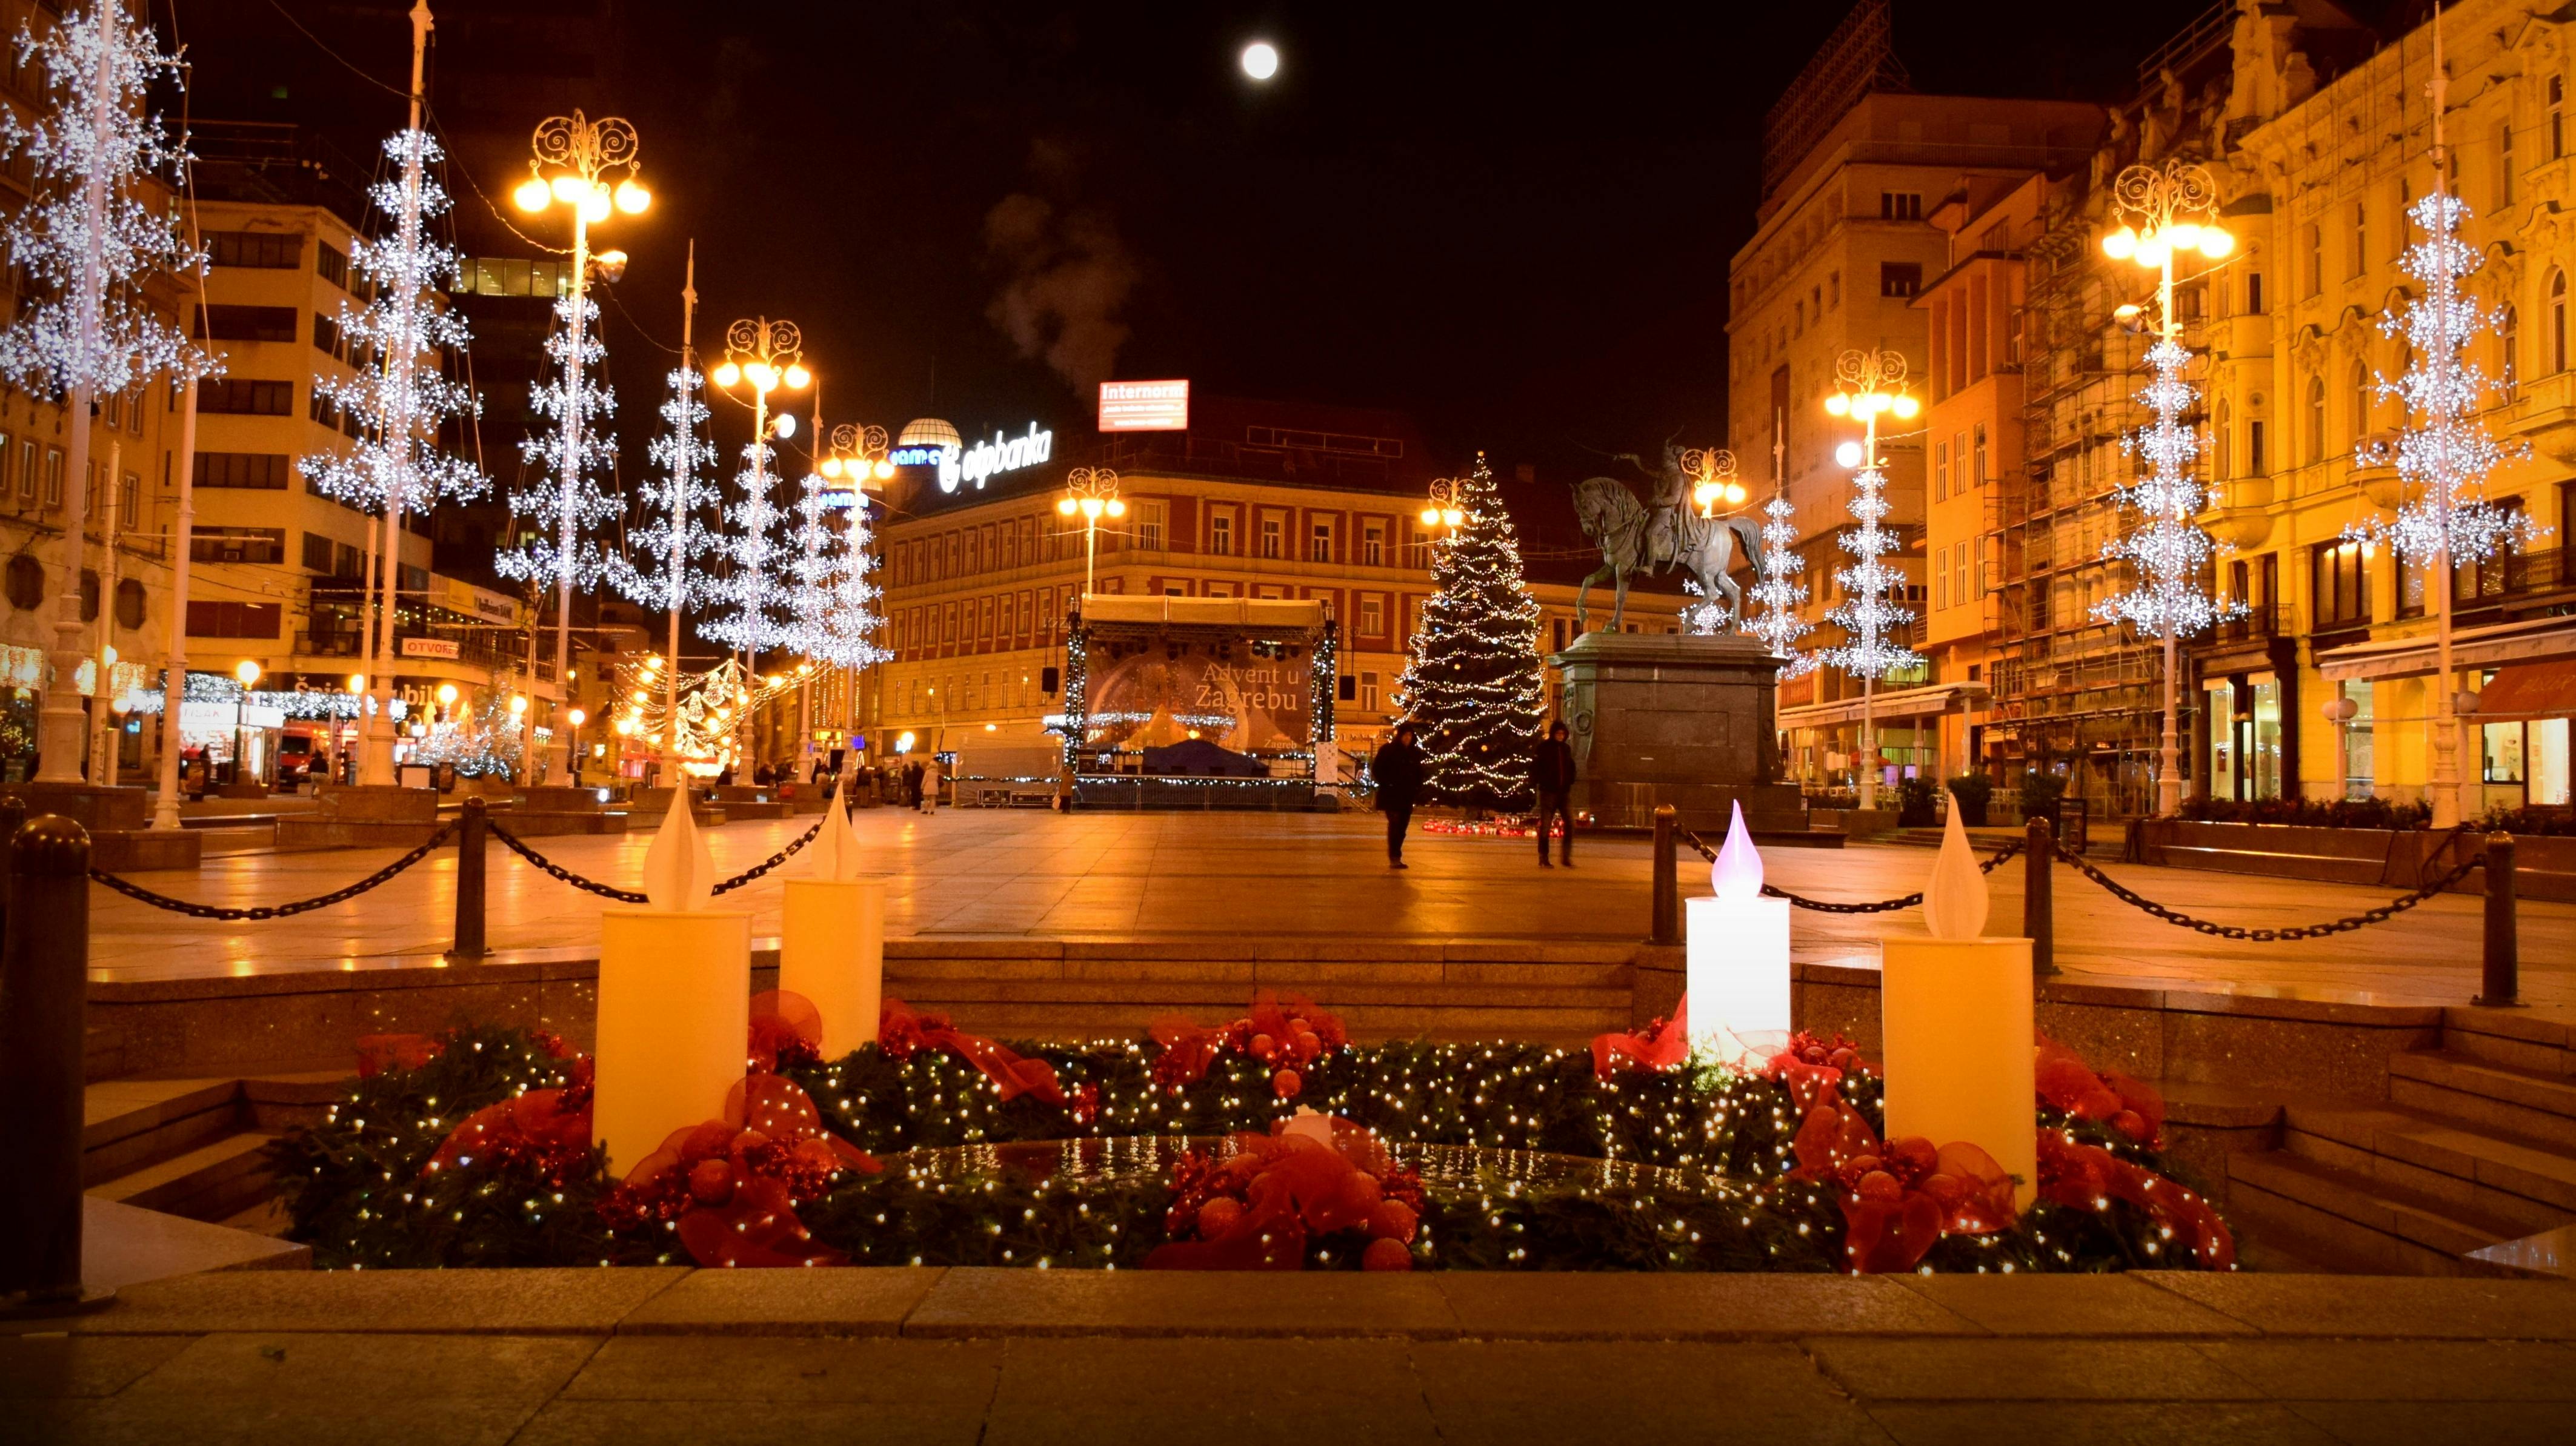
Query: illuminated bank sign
[[1004, 453], [920, 454]]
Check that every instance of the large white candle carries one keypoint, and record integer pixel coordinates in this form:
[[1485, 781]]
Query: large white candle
[[1956, 1035], [1736, 959], [674, 1000], [831, 946]]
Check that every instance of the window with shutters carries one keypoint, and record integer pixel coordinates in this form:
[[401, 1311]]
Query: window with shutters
[[252, 471], [246, 323], [256, 250], [243, 397], [208, 618]]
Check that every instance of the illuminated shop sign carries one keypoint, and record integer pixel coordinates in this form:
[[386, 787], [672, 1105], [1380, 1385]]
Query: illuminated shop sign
[[1002, 454], [1145, 406], [918, 455]]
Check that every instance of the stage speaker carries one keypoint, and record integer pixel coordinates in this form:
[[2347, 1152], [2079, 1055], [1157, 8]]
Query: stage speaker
[[1049, 679]]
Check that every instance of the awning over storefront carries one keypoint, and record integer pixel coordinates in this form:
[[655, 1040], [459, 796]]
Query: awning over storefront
[[2534, 640], [1891, 707], [2530, 690]]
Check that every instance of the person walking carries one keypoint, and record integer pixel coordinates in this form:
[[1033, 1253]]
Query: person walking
[[1397, 768], [930, 785], [911, 787], [1552, 778]]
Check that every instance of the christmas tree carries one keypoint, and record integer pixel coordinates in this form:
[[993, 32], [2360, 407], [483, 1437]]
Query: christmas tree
[[660, 570], [1779, 592], [1473, 685], [753, 594]]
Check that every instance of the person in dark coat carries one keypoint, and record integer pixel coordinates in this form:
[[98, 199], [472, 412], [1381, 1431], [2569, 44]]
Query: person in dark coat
[[1397, 768], [1552, 777], [912, 784]]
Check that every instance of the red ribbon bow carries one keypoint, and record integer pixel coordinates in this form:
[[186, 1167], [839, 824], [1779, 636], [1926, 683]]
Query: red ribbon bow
[[903, 1032]]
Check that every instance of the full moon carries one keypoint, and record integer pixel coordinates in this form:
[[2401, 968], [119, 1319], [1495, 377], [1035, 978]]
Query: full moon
[[1261, 60]]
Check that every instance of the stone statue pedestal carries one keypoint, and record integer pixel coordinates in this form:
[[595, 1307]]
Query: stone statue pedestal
[[1663, 718]]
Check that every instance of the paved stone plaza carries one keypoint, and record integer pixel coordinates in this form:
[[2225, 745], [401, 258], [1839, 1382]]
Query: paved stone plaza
[[971, 874], [977, 1356]]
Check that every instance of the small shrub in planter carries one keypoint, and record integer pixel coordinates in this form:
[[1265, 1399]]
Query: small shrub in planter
[[2312, 813], [1970, 793], [2040, 793], [1914, 798]]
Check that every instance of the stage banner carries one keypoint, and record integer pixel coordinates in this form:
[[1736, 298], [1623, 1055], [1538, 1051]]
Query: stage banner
[[1227, 694]]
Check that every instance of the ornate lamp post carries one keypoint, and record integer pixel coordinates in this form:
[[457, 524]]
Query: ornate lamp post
[[1870, 384], [1090, 493], [1711, 472], [858, 456], [2166, 212], [572, 165]]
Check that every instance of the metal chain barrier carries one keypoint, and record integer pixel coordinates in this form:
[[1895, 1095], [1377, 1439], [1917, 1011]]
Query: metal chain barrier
[[549, 866], [627, 896], [1827, 906], [774, 860], [2292, 933], [445, 832]]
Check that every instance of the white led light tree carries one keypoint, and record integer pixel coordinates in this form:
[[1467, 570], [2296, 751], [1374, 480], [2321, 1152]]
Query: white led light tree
[[2444, 453], [88, 246], [1777, 589], [2167, 551], [401, 401], [753, 595], [1473, 684], [1871, 615]]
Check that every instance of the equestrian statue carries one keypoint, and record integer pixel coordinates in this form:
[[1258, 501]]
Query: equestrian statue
[[1638, 540]]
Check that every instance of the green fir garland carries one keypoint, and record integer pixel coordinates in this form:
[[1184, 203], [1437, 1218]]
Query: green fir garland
[[353, 1188]]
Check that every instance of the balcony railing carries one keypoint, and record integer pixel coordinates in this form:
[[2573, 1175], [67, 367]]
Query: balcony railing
[[2259, 621]]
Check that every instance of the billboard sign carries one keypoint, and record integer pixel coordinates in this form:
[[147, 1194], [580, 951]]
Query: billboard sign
[[1145, 406]]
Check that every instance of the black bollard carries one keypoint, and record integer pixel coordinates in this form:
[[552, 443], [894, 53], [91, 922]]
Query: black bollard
[[13, 817], [1668, 904], [471, 821], [2038, 903], [44, 990], [2503, 954]]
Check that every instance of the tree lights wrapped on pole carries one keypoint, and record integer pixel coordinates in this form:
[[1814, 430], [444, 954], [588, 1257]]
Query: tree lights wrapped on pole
[[575, 159], [2444, 452], [87, 244], [761, 357], [674, 538], [1870, 384], [1777, 589], [402, 404], [2167, 212]]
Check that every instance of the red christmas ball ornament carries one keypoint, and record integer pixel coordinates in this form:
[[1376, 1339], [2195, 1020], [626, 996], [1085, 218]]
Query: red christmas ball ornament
[[1309, 1043], [711, 1182], [1841, 1058], [2131, 1124], [1299, 1026], [1387, 1255], [1914, 1156], [1261, 1046], [1393, 1220], [1360, 1195], [1218, 1216], [1881, 1186], [1285, 1084], [1863, 1164]]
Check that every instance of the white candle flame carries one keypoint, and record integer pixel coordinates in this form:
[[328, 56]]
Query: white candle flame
[[1954, 900], [836, 847], [1737, 873], [679, 875]]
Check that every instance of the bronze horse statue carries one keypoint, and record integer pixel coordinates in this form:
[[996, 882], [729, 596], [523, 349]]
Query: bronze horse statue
[[1636, 541]]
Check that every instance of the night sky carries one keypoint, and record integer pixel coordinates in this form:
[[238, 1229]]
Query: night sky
[[1514, 224]]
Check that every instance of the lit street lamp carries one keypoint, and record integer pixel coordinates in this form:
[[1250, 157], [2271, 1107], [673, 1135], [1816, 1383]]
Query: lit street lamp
[[1711, 471], [2166, 212], [1870, 384], [1090, 493], [574, 159], [248, 672]]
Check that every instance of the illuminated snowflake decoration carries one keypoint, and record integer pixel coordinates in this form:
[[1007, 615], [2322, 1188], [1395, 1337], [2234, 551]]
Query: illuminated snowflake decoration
[[398, 396], [660, 569], [1705, 619], [565, 495], [1870, 614], [82, 319], [2167, 550], [753, 594], [1779, 593], [2444, 454]]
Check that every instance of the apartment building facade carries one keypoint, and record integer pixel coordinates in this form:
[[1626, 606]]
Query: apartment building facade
[[1845, 244]]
